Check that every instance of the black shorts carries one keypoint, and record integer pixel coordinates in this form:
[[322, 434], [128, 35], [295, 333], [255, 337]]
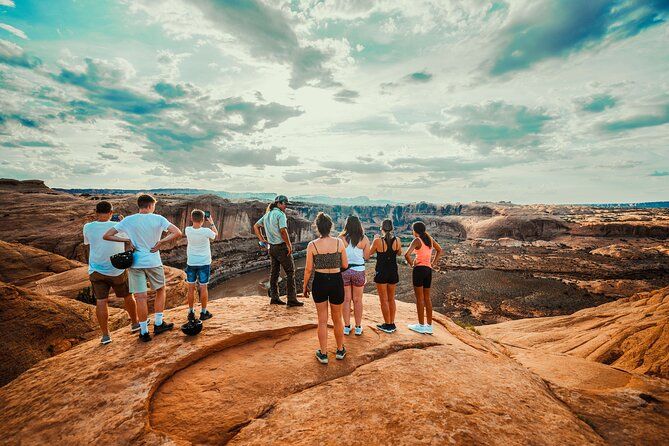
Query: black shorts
[[328, 287], [422, 276], [389, 276]]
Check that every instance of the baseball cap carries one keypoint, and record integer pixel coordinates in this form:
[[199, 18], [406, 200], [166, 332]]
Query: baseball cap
[[282, 199]]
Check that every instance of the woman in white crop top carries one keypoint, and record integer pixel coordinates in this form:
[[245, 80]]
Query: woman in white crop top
[[357, 251]]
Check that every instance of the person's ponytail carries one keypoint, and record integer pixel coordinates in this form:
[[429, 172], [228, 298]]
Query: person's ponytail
[[387, 227], [270, 207], [420, 229]]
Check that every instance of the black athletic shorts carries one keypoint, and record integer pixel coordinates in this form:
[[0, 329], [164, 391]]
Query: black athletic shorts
[[422, 276], [389, 276], [328, 287]]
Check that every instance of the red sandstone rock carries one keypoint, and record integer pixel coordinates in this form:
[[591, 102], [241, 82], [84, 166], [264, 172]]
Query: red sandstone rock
[[72, 282], [631, 334], [35, 326], [23, 265], [251, 378]]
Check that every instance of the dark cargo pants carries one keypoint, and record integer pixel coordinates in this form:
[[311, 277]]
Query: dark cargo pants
[[279, 257]]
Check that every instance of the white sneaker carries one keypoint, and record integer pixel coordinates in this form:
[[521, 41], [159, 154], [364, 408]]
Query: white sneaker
[[427, 329], [358, 330], [347, 330], [418, 328]]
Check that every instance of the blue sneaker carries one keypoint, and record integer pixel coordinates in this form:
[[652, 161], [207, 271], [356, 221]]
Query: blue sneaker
[[347, 330], [427, 329], [322, 357], [106, 339], [418, 328], [358, 330]]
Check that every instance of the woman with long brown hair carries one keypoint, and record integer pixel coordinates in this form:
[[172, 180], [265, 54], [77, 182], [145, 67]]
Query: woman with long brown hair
[[423, 263], [327, 256], [357, 251], [387, 247]]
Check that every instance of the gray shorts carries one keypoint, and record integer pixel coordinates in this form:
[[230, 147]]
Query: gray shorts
[[138, 277]]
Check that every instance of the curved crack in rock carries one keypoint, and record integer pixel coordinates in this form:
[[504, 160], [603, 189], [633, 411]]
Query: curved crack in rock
[[232, 390]]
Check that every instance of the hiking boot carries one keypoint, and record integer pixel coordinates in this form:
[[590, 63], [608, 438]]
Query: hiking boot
[[341, 353], [206, 315], [134, 328], [277, 302], [358, 330], [427, 329], [146, 337], [157, 329], [322, 357], [347, 330], [295, 303], [418, 328], [106, 339]]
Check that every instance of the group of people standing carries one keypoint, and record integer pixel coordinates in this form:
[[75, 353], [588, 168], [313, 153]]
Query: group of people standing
[[338, 267], [336, 262]]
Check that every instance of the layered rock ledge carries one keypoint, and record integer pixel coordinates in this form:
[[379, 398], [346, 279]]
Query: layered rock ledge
[[250, 378]]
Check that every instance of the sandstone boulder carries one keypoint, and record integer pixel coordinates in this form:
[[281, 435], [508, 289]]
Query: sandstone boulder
[[631, 333], [23, 265], [518, 227], [36, 326], [73, 282], [632, 252]]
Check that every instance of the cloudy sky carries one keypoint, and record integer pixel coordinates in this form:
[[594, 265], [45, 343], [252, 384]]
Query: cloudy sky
[[529, 101]]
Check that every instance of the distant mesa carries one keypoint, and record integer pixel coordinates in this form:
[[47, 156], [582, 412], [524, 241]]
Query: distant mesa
[[26, 186]]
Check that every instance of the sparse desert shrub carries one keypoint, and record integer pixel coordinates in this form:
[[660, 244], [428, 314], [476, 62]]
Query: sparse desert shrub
[[86, 296], [467, 326]]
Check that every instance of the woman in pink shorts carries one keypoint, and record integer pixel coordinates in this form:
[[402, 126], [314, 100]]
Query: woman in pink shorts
[[357, 251]]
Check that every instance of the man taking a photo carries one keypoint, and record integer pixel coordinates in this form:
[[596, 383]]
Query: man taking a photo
[[280, 249]]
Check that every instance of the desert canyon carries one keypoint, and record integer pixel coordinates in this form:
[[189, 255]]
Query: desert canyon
[[552, 328]]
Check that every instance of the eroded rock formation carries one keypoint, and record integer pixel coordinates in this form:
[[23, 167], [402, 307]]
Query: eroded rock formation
[[36, 326], [23, 265], [631, 334], [252, 376]]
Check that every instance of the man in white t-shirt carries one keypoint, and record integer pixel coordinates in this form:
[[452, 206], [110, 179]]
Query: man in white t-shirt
[[145, 230], [198, 264], [101, 272]]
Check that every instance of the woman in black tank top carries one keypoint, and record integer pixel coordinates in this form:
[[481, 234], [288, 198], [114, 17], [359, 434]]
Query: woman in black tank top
[[387, 248]]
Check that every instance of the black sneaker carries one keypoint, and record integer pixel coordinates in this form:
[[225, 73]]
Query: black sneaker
[[322, 357], [146, 337], [206, 315], [386, 328], [157, 329], [393, 327], [341, 353], [277, 302], [295, 303], [191, 316]]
